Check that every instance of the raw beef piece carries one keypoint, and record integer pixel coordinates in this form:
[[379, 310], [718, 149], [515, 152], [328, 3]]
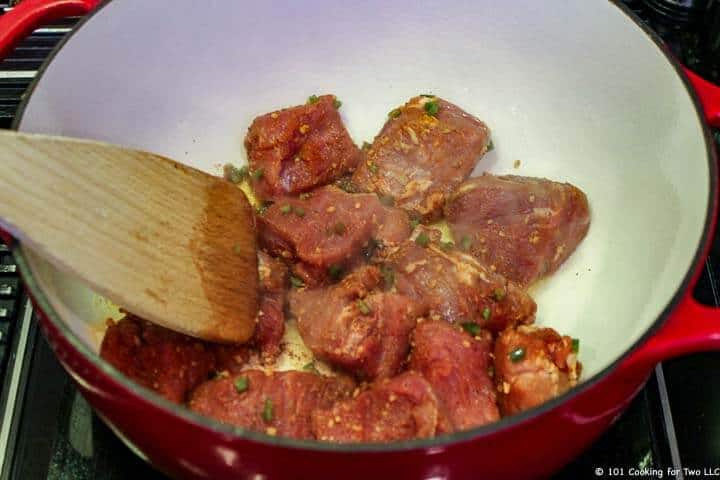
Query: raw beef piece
[[400, 408], [523, 228], [456, 364], [271, 317], [533, 365], [296, 149], [329, 227], [426, 148], [277, 403], [454, 286], [163, 360], [355, 326]]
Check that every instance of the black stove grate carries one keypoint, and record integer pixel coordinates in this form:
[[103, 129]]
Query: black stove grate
[[19, 69]]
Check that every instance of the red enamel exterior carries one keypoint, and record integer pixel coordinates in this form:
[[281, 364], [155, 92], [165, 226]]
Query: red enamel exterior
[[534, 447], [185, 450], [30, 14], [709, 96]]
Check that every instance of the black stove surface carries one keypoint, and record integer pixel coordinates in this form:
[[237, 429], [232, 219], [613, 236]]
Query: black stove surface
[[672, 426]]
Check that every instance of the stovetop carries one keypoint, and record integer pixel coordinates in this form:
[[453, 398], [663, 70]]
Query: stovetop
[[50, 432]]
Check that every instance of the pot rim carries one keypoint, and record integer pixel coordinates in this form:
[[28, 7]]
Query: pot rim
[[441, 441]]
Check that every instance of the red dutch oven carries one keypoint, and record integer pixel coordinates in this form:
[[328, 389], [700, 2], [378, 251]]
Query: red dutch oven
[[577, 91]]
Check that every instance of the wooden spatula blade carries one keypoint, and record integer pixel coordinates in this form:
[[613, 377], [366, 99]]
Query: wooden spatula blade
[[167, 242]]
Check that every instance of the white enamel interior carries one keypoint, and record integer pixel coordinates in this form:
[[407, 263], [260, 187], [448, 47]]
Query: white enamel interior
[[574, 90]]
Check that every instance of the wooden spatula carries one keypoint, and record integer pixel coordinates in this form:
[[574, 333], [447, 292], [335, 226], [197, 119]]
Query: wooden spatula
[[169, 243]]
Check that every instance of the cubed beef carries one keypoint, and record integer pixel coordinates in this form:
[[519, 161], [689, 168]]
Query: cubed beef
[[454, 286], [278, 403], [329, 227], [522, 227], [296, 149], [426, 148], [271, 317], [457, 366], [355, 326], [400, 408], [533, 365], [163, 360]]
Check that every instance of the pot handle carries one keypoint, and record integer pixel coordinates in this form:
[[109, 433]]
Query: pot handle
[[28, 15], [692, 327], [24, 18], [709, 95]]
